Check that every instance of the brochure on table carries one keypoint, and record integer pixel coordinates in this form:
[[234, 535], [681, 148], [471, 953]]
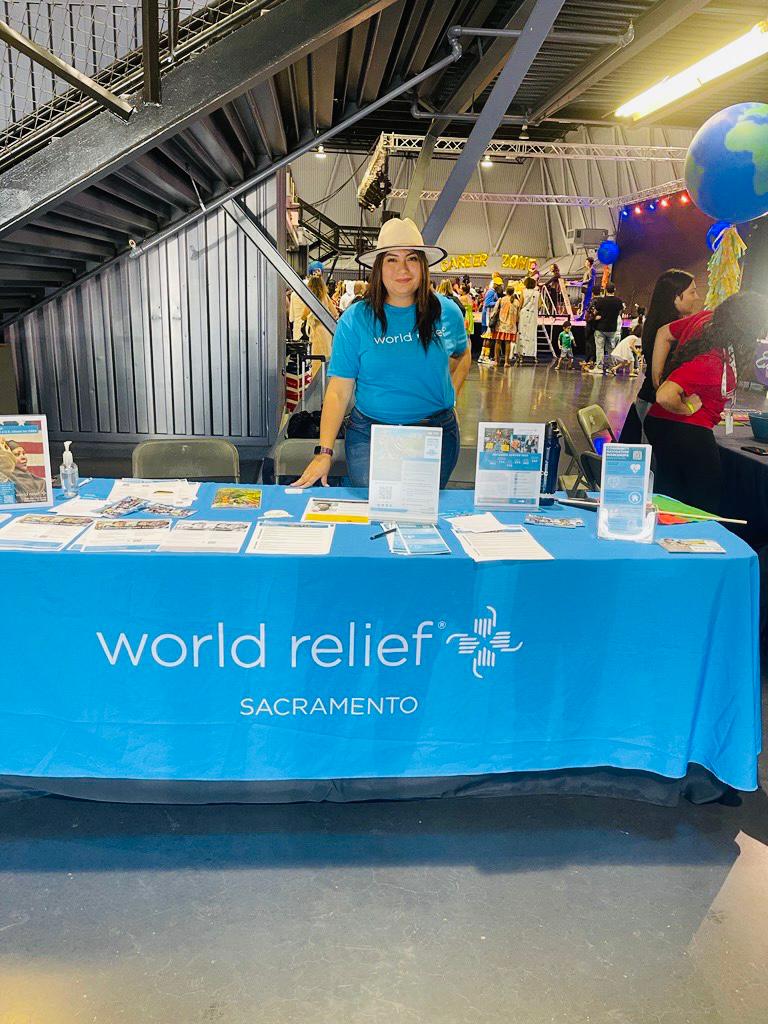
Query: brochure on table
[[509, 460], [404, 483], [25, 463], [625, 493]]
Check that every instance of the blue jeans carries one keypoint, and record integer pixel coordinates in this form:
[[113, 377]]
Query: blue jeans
[[605, 342], [357, 444]]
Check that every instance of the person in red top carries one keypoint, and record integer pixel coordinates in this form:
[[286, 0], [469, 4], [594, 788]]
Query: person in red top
[[699, 379]]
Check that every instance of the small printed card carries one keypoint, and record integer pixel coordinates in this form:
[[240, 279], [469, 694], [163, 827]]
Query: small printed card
[[563, 523], [691, 546], [123, 507], [169, 510], [237, 497]]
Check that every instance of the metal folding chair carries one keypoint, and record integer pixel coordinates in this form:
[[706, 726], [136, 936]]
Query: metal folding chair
[[197, 458], [292, 455], [573, 453], [594, 423], [463, 475]]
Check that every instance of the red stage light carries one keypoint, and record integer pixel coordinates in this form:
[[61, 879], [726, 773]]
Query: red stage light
[[638, 209], [665, 203], [684, 199]]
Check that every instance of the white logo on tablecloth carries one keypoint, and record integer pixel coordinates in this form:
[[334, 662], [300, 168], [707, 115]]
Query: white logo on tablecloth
[[485, 643]]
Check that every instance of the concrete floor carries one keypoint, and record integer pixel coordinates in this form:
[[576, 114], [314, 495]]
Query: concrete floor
[[519, 911]]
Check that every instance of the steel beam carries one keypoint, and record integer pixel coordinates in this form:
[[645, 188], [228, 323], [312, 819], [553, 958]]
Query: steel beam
[[649, 29], [251, 228], [252, 54], [61, 69], [150, 50], [535, 31]]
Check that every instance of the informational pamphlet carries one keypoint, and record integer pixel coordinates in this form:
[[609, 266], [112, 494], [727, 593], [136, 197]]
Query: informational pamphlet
[[404, 479], [124, 533], [291, 539], [42, 531], [237, 497], [623, 513], [328, 510], [509, 460], [25, 463], [421, 539], [181, 493], [691, 546], [562, 522], [512, 544], [172, 511], [221, 535]]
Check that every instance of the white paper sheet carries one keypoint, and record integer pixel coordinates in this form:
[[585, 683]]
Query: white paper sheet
[[170, 492], [42, 530], [124, 533], [480, 522], [514, 544], [405, 473], [79, 507], [291, 539], [224, 536]]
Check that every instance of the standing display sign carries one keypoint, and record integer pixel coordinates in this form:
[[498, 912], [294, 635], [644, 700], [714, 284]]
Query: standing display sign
[[509, 460], [25, 463], [625, 494], [404, 484]]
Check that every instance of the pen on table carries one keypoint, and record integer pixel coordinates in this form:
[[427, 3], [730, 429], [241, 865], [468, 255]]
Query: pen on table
[[384, 533]]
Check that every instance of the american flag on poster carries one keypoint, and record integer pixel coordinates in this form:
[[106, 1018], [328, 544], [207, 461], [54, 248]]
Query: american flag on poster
[[25, 465]]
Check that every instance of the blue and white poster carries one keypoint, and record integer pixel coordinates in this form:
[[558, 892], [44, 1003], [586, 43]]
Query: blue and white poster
[[624, 493], [509, 459]]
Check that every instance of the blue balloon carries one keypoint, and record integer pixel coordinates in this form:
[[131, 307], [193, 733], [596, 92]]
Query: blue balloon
[[608, 252], [316, 265], [714, 232], [726, 168]]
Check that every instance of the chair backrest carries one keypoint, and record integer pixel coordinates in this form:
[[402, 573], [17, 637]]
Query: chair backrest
[[463, 475], [292, 455], [592, 468], [594, 423], [569, 444], [196, 458], [572, 452]]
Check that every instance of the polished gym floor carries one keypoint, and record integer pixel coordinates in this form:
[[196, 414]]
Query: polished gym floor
[[545, 910]]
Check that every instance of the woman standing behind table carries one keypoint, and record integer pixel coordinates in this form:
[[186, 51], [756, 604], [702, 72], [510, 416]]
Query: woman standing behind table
[[697, 383], [319, 335], [674, 297], [402, 350], [527, 323]]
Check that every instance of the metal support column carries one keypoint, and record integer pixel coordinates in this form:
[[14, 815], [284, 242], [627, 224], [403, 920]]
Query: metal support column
[[150, 44], [251, 228], [536, 30], [61, 69], [173, 25]]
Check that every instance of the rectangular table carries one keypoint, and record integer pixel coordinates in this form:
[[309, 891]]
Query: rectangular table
[[364, 664]]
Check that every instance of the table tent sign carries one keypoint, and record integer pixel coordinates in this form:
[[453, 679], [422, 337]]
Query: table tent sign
[[25, 463], [509, 461], [404, 482], [625, 512]]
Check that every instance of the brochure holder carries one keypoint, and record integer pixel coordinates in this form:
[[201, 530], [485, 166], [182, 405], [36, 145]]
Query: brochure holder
[[404, 481], [623, 513], [508, 469]]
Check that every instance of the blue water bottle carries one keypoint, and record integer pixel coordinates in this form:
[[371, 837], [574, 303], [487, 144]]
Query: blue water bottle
[[550, 463]]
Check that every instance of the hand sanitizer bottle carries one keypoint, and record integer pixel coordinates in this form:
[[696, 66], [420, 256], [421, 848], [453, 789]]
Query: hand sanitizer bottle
[[68, 473]]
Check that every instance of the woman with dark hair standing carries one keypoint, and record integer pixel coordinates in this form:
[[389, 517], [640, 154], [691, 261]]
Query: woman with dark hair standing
[[698, 381], [402, 350], [674, 296]]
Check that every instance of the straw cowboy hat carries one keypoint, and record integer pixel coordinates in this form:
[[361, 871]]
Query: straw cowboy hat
[[402, 233]]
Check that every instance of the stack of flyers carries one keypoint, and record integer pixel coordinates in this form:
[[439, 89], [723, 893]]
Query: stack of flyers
[[415, 539], [169, 510], [689, 546], [42, 532], [123, 507], [181, 493], [533, 519], [124, 533], [225, 536], [237, 497]]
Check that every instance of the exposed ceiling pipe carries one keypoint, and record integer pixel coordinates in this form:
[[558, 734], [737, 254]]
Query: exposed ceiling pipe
[[555, 36]]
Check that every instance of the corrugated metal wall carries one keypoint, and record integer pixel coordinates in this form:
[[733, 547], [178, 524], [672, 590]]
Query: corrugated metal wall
[[183, 340], [537, 231]]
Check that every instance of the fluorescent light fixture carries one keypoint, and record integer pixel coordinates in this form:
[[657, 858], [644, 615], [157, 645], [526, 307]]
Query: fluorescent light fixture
[[741, 51], [320, 153], [524, 136], [486, 161]]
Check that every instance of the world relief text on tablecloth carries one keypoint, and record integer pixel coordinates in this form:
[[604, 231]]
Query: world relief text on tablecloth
[[359, 647]]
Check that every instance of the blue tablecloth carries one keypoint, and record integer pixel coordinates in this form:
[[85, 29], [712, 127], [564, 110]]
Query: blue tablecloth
[[367, 664]]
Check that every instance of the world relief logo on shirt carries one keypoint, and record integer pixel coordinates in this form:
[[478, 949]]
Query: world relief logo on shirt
[[359, 647], [397, 339]]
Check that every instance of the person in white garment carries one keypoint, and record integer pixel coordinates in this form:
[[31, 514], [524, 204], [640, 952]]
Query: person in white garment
[[528, 322]]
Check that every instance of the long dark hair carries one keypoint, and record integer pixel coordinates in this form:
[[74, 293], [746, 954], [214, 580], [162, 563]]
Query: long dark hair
[[737, 323], [662, 309], [428, 308]]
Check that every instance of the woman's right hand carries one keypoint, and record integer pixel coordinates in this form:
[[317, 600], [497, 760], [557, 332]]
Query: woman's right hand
[[318, 469], [693, 403]]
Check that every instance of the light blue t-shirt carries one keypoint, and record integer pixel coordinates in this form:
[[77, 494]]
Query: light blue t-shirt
[[397, 381]]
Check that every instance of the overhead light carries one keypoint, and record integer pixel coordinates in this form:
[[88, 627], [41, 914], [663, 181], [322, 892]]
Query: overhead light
[[684, 199], [486, 161], [651, 207], [665, 203], [625, 212], [524, 136], [638, 209], [741, 51], [320, 152]]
